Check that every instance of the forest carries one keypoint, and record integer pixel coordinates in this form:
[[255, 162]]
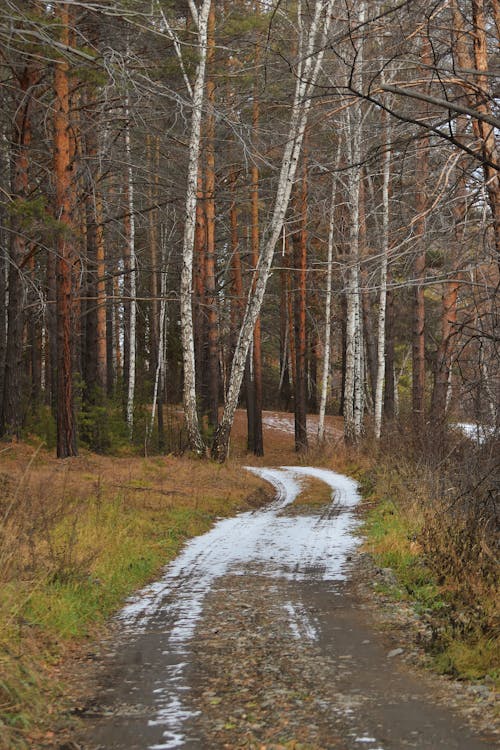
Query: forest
[[233, 236], [291, 205]]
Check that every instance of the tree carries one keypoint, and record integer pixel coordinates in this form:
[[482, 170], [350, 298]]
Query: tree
[[66, 425]]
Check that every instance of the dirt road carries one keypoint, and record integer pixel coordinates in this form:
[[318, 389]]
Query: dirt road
[[255, 638]]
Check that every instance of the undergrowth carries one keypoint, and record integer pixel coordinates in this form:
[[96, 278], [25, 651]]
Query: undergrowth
[[435, 523], [77, 537]]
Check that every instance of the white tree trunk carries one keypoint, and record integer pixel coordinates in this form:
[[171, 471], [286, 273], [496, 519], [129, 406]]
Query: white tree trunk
[[305, 83], [328, 313], [133, 281], [354, 388], [353, 333], [186, 287], [386, 171], [161, 340]]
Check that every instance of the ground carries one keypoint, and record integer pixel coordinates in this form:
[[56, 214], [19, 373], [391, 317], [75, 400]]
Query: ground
[[273, 661]]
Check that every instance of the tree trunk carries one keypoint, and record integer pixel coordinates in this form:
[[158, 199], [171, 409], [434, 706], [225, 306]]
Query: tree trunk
[[186, 287], [386, 174], [300, 246], [10, 413], [483, 129], [366, 301], [328, 313], [66, 425], [210, 281], [418, 338], [257, 435], [101, 297], [130, 240], [157, 308], [285, 375], [305, 82]]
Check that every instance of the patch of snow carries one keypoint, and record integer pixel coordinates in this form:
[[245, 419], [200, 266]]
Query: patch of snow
[[477, 432], [301, 624], [283, 423], [264, 542]]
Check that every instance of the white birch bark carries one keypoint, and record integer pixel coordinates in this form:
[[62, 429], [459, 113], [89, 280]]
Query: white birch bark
[[186, 287], [353, 388], [161, 340], [379, 388], [359, 368], [305, 83], [353, 342], [328, 313], [133, 281]]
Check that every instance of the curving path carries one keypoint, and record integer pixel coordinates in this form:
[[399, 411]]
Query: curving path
[[252, 638]]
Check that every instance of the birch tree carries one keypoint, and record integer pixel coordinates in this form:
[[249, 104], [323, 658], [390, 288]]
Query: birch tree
[[200, 19], [384, 253], [133, 278], [328, 315], [306, 77], [353, 388]]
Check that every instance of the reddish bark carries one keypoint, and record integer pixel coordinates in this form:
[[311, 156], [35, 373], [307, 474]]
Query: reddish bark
[[66, 425]]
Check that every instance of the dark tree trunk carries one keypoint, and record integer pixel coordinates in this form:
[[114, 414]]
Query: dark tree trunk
[[210, 280], [300, 245], [343, 327], [11, 407], [389, 385]]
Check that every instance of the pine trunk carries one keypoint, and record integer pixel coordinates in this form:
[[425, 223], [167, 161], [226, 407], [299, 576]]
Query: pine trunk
[[66, 424]]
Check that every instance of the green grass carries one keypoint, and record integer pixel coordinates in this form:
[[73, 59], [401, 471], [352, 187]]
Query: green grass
[[392, 527], [94, 543]]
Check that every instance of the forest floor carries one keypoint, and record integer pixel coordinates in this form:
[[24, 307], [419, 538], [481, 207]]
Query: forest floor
[[265, 632]]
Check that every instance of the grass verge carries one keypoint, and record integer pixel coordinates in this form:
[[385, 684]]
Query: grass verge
[[434, 527], [77, 537]]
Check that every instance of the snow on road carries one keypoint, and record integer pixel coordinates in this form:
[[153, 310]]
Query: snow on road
[[263, 542]]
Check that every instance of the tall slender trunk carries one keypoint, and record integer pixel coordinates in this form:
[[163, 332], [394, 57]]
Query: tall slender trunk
[[186, 288], [199, 271], [353, 318], [418, 337], [305, 84], [10, 412], [132, 279], [366, 300], [386, 174], [101, 330], [66, 424], [156, 346], [210, 279], [390, 384], [257, 435], [159, 356], [449, 298], [486, 132], [328, 314], [285, 375], [300, 245]]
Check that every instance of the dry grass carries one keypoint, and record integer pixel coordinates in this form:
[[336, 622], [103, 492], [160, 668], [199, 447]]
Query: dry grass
[[76, 537], [435, 522]]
